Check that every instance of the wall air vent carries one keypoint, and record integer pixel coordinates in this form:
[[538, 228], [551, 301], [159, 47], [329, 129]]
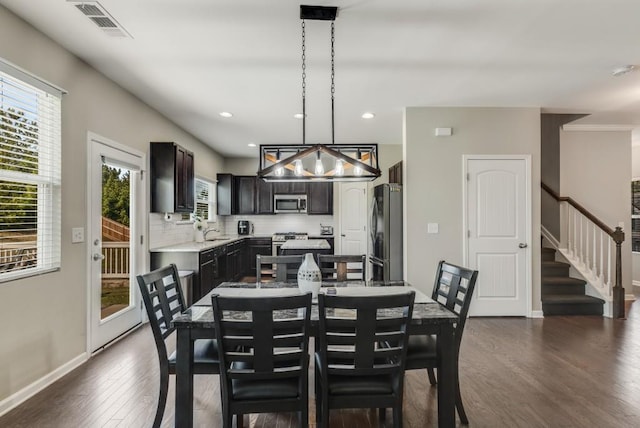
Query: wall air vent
[[99, 16]]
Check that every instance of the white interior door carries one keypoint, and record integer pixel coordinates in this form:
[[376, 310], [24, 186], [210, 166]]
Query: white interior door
[[353, 218], [498, 223], [116, 253]]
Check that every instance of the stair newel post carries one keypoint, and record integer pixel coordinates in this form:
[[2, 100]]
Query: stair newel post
[[618, 290]]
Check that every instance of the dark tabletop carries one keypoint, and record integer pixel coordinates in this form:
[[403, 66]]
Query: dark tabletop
[[200, 315]]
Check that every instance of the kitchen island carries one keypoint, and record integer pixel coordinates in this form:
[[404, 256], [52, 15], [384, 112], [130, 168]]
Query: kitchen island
[[303, 246]]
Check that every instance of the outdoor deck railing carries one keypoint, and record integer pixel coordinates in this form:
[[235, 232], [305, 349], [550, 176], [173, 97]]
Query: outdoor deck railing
[[116, 259]]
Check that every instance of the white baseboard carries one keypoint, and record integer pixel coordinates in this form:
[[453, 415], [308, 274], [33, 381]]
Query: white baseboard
[[629, 296], [30, 390], [536, 314]]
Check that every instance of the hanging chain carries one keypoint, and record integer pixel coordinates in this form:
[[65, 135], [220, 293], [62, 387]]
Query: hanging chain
[[333, 83], [304, 85]]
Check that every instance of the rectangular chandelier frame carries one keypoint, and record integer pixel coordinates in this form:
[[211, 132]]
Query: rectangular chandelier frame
[[332, 162]]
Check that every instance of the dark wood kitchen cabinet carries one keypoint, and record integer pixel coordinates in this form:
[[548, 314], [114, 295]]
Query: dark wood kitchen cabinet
[[256, 246], [245, 188], [172, 178], [243, 194], [395, 173], [236, 256], [320, 198], [264, 197], [207, 270], [289, 188]]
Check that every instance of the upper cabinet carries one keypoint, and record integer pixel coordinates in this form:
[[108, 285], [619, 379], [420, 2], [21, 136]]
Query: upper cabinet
[[243, 194], [172, 179], [320, 198], [395, 173], [289, 188]]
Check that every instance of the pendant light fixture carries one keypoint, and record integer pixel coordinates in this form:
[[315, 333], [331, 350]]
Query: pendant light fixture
[[318, 162]]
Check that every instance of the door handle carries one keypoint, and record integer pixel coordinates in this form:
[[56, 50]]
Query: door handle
[[523, 245], [343, 235], [98, 256]]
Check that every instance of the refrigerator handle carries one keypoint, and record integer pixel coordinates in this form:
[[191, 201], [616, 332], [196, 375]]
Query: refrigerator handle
[[373, 219]]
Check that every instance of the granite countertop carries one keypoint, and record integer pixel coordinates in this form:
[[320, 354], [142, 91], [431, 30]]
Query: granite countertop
[[201, 314], [196, 247], [306, 244]]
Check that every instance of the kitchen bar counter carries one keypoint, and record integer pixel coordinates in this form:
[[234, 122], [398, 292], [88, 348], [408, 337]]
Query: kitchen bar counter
[[196, 247], [306, 244]]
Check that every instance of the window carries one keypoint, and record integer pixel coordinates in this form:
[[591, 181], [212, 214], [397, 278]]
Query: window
[[30, 119], [205, 200], [635, 216]]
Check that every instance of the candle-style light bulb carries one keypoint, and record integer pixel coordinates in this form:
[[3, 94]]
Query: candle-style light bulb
[[339, 167], [297, 167], [279, 171], [319, 169]]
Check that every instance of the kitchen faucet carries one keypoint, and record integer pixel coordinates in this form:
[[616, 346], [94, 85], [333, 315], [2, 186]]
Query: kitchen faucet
[[209, 229]]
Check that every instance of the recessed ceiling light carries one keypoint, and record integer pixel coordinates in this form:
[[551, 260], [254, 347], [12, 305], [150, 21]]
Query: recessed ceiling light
[[368, 115], [298, 115], [623, 70], [252, 144], [226, 114]]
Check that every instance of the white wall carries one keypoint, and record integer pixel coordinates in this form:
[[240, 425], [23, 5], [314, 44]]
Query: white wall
[[596, 172], [433, 180], [43, 318]]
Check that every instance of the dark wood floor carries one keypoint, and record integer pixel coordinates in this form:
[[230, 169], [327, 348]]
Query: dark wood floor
[[552, 372]]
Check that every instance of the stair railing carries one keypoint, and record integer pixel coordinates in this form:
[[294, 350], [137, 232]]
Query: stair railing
[[589, 242]]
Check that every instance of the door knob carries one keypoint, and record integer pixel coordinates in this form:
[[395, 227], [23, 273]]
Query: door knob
[[522, 245], [98, 256]]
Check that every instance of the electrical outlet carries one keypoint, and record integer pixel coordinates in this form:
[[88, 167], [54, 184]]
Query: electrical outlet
[[77, 235]]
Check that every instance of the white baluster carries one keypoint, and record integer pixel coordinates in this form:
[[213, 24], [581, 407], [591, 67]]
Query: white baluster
[[601, 276], [609, 265], [594, 268], [586, 243]]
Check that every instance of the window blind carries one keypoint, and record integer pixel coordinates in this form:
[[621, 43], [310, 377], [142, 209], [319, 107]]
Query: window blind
[[205, 202], [30, 176]]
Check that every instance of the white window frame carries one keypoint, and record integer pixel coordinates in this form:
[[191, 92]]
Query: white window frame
[[211, 201], [48, 176]]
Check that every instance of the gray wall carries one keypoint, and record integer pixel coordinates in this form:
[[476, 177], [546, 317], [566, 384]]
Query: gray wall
[[43, 318], [550, 125], [433, 172], [595, 171]]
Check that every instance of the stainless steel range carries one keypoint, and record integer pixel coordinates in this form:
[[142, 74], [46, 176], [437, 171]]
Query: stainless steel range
[[281, 237]]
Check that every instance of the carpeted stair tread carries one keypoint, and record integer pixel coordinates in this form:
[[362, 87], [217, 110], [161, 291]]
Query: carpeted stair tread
[[564, 299], [554, 263], [562, 280]]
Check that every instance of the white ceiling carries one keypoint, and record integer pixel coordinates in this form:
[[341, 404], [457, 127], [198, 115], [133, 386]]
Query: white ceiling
[[191, 59]]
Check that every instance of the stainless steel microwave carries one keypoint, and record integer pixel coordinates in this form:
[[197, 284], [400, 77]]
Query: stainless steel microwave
[[296, 204]]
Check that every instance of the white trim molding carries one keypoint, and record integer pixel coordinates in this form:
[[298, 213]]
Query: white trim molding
[[586, 127], [29, 391], [536, 314]]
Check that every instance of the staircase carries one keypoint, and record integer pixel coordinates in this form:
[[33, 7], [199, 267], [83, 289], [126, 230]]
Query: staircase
[[562, 294]]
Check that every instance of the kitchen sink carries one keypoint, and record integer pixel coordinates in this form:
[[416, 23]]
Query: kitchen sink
[[218, 238]]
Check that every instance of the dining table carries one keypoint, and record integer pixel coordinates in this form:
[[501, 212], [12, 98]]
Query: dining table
[[429, 317]]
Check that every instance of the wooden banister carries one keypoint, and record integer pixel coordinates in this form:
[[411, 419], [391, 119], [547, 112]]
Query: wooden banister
[[616, 234]]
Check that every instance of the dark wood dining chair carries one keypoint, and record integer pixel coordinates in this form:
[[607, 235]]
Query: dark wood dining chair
[[284, 267], [265, 360], [342, 267], [352, 369], [163, 299], [453, 288]]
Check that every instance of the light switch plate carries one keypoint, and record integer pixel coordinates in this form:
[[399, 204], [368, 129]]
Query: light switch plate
[[77, 235], [432, 227]]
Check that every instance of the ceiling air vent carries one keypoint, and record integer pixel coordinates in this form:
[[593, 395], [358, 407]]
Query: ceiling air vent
[[99, 16]]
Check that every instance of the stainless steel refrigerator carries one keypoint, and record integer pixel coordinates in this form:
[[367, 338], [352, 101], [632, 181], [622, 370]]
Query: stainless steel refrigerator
[[385, 225]]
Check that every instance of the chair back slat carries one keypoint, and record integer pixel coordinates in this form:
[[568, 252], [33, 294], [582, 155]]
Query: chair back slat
[[453, 288], [352, 329], [342, 267], [163, 299], [262, 338], [285, 268]]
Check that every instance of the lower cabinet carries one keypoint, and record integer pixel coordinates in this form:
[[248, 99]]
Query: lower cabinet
[[256, 246]]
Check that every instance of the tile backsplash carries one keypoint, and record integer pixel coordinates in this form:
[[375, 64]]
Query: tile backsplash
[[269, 224], [163, 233]]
